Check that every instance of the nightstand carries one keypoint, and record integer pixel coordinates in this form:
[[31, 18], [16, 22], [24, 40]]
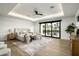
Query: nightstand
[[11, 36]]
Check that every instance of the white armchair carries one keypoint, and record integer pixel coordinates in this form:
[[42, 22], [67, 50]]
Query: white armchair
[[4, 51], [1, 43]]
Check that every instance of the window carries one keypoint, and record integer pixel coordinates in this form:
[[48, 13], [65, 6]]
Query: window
[[48, 29], [55, 29], [43, 29], [51, 29]]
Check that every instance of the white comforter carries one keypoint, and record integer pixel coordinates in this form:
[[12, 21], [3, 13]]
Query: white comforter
[[20, 37]]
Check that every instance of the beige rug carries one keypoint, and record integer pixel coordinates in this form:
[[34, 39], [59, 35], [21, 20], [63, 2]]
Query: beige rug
[[33, 47]]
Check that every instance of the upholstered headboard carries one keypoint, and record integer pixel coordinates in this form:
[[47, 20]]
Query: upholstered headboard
[[21, 30]]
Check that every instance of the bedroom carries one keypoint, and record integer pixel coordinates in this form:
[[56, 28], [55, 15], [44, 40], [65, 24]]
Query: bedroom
[[25, 18]]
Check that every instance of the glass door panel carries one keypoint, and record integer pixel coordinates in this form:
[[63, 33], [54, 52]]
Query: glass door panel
[[55, 29], [42, 29], [51, 29], [48, 29]]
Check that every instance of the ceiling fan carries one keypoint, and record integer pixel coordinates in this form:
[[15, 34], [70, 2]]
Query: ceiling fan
[[37, 13]]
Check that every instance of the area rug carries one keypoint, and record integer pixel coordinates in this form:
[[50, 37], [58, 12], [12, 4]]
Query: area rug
[[33, 46]]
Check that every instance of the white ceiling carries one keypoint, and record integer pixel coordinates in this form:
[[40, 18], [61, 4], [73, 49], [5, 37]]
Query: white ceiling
[[5, 8], [26, 10], [70, 9]]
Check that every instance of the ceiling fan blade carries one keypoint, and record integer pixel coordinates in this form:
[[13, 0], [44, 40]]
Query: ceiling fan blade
[[36, 12], [40, 14]]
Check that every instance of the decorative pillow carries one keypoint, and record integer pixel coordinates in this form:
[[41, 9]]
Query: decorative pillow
[[19, 33]]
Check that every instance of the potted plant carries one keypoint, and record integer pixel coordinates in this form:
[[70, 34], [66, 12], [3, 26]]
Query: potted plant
[[70, 29]]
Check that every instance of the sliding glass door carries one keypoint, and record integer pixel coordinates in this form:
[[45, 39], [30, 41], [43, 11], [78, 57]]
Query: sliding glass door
[[51, 29], [48, 29], [55, 29]]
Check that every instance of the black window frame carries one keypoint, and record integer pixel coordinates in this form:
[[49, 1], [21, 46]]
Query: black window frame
[[51, 28]]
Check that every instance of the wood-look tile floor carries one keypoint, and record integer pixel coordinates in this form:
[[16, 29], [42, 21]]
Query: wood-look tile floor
[[56, 47]]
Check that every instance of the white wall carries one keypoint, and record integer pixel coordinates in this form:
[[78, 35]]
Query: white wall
[[64, 23], [76, 22], [11, 23]]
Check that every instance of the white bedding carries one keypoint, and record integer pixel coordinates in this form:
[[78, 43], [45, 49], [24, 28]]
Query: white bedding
[[21, 32], [20, 37]]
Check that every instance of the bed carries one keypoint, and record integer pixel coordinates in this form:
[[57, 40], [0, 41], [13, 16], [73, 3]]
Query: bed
[[21, 32], [26, 36]]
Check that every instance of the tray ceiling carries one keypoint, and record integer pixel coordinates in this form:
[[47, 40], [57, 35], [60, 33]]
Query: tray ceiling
[[49, 10]]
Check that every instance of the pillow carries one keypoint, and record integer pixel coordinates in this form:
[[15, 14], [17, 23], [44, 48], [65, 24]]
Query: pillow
[[22, 33], [19, 33]]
